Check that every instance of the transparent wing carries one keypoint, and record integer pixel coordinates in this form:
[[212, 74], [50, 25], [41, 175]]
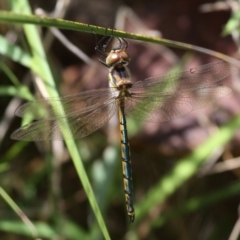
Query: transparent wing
[[200, 77], [73, 105], [66, 127], [157, 108], [160, 99], [155, 99]]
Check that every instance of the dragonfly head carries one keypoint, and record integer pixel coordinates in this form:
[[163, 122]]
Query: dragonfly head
[[118, 57]]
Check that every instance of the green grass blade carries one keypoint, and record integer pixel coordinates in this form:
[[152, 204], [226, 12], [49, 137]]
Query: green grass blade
[[197, 203], [14, 52], [44, 230], [40, 64], [19, 212], [186, 168], [6, 16], [21, 91], [12, 77]]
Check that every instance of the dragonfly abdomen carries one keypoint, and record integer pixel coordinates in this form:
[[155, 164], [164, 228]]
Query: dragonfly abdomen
[[126, 165]]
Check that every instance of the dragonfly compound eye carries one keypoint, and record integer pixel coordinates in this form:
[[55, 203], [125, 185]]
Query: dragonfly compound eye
[[119, 57]]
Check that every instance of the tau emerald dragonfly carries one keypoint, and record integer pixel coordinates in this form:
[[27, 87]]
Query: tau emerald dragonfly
[[156, 99]]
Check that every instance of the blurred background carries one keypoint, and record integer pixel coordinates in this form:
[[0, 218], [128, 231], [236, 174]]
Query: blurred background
[[41, 178]]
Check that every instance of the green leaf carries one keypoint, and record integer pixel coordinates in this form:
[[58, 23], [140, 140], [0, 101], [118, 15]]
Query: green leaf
[[21, 91], [232, 24], [14, 52]]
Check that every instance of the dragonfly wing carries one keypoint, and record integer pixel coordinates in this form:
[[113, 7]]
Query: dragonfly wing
[[154, 107], [72, 127], [68, 106], [200, 77]]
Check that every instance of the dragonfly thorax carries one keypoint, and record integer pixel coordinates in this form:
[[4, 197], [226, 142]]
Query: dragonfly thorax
[[119, 77]]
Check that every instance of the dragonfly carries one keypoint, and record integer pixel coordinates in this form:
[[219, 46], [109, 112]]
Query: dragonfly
[[155, 99]]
